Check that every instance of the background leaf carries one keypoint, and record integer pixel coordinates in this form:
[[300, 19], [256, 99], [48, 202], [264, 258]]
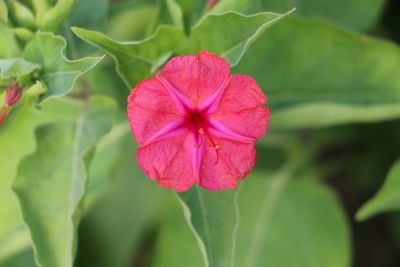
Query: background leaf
[[51, 197], [57, 73], [316, 75], [386, 199], [124, 215]]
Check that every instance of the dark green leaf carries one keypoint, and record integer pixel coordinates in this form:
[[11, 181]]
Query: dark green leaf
[[386, 199], [120, 218], [318, 75]]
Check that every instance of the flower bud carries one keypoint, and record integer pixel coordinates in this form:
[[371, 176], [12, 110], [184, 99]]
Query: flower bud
[[13, 94]]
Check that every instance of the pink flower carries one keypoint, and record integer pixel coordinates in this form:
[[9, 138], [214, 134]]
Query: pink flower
[[196, 123]]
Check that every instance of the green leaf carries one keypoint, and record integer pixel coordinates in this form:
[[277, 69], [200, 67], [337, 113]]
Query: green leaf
[[386, 199], [55, 16], [16, 67], [291, 223], [3, 12], [213, 218], [316, 75], [82, 15], [283, 223], [136, 60], [57, 73], [121, 217], [22, 15], [16, 142], [51, 182], [112, 230], [170, 14], [356, 14], [8, 44]]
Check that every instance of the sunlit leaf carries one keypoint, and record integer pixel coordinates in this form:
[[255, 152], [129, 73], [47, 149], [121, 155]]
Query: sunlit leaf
[[136, 60], [57, 73], [17, 141], [16, 67], [51, 182]]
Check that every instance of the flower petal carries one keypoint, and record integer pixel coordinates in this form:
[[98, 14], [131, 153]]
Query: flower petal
[[235, 160], [152, 111], [239, 112], [169, 160], [197, 79]]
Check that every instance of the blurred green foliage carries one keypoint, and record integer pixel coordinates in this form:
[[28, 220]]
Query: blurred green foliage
[[331, 71]]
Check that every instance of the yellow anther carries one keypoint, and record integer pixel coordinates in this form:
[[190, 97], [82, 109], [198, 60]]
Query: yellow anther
[[201, 131], [217, 147]]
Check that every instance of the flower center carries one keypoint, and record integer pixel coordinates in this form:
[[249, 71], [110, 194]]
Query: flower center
[[200, 127]]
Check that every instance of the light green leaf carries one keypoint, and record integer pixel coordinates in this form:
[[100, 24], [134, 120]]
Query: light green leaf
[[386, 199], [8, 44], [16, 142], [55, 16], [135, 60], [22, 15], [213, 218], [112, 230], [40, 7], [316, 74], [283, 223], [211, 33], [16, 67], [57, 73], [3, 12], [51, 182]]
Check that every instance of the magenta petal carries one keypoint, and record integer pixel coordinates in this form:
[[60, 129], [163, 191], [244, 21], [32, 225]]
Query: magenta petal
[[239, 109], [198, 78], [235, 160], [169, 161], [152, 111]]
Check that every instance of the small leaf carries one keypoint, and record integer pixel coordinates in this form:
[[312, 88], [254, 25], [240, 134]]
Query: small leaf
[[317, 75], [135, 60], [51, 183], [57, 73], [16, 67], [22, 14], [213, 218], [55, 16], [8, 44], [386, 199]]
